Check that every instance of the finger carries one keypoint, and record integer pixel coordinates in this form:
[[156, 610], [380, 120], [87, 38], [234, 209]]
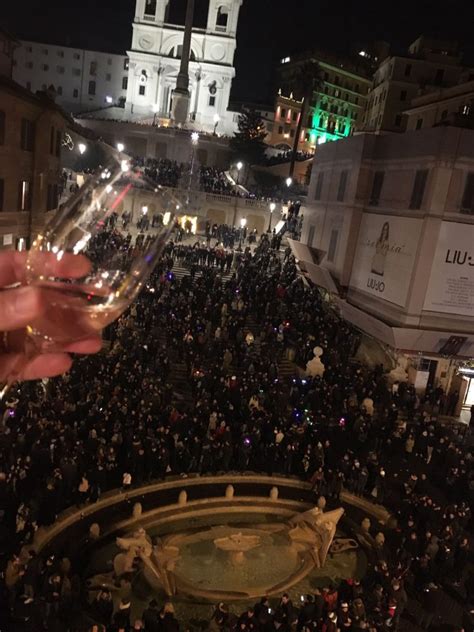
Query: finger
[[89, 345], [22, 368], [13, 266], [19, 307]]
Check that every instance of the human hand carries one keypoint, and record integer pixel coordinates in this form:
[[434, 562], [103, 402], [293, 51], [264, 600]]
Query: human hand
[[21, 304]]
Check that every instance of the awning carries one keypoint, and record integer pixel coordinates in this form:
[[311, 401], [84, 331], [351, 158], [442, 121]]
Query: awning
[[442, 343], [319, 276], [302, 252]]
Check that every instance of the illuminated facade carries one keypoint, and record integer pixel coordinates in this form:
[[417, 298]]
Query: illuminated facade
[[336, 109]]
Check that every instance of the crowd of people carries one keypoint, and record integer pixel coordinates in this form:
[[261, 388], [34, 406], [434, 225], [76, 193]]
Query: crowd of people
[[116, 419], [285, 156]]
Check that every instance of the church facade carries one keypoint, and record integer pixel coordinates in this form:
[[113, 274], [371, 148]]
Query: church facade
[[138, 85], [155, 58]]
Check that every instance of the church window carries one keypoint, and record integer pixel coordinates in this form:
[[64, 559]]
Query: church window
[[212, 101], [222, 19], [142, 90], [92, 88], [124, 83], [150, 7]]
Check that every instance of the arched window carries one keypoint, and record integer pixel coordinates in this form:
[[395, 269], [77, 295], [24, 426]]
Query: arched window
[[222, 19], [177, 52], [150, 8]]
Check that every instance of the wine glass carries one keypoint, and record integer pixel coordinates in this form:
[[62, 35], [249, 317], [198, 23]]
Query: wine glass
[[93, 258]]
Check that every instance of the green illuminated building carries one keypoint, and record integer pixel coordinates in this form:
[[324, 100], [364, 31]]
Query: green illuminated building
[[337, 109]]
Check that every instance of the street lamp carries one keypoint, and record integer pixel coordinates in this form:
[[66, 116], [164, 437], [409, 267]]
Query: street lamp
[[239, 166], [194, 138], [217, 118], [144, 210], [272, 208], [289, 182], [120, 147], [155, 112], [243, 224], [82, 148]]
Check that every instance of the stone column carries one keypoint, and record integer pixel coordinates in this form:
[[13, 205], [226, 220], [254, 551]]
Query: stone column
[[181, 96]]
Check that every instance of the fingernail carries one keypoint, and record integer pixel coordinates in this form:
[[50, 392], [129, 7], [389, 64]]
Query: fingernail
[[26, 302]]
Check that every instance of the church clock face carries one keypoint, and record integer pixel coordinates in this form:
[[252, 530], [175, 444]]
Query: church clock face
[[145, 42]]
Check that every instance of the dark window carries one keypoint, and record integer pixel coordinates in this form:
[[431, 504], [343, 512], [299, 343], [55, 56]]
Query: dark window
[[295, 116], [93, 68], [27, 141], [124, 83], [212, 101], [2, 190], [150, 7], [336, 81], [467, 203], [333, 245], [376, 188], [419, 123], [292, 133], [92, 88], [2, 127], [418, 189], [75, 93], [60, 70], [356, 100], [341, 192], [283, 113], [310, 121], [222, 19], [60, 53], [398, 120], [142, 90], [407, 70], [319, 186], [280, 130], [125, 64], [326, 76], [108, 76], [59, 138], [444, 114], [403, 95], [45, 67], [24, 195], [76, 56], [312, 230], [439, 76], [76, 72], [321, 122], [52, 197]]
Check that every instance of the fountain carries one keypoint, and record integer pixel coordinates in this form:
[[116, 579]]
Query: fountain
[[237, 544]]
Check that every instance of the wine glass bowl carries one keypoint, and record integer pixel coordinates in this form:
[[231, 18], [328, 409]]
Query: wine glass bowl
[[95, 255]]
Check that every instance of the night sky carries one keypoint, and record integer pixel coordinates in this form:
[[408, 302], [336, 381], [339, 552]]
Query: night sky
[[268, 29]]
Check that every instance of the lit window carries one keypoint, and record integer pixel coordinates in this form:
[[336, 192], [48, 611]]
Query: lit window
[[24, 196]]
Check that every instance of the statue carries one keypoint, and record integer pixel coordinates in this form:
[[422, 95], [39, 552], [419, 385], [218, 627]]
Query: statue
[[315, 530], [400, 372], [314, 367]]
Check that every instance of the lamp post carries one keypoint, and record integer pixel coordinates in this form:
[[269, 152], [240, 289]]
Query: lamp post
[[217, 118], [289, 182], [272, 208], [120, 147], [239, 166], [82, 148], [243, 224]]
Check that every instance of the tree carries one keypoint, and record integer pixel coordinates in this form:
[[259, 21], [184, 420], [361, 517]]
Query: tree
[[307, 80], [249, 141]]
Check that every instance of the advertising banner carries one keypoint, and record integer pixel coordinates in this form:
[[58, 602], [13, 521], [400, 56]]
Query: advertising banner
[[451, 285], [385, 256]]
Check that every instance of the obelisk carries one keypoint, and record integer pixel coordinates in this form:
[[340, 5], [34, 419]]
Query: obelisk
[[181, 96]]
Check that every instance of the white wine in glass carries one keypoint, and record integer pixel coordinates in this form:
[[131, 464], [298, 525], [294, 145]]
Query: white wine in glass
[[93, 258]]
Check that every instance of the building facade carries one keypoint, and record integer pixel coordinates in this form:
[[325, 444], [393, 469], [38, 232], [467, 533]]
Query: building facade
[[446, 106], [428, 66], [82, 79], [141, 81], [336, 109], [155, 57], [31, 134], [390, 219]]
